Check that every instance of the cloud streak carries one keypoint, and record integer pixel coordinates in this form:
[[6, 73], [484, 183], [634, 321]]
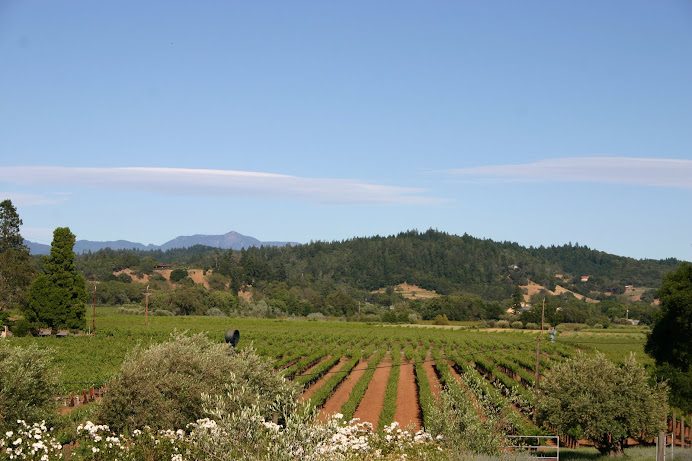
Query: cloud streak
[[218, 183], [658, 172], [20, 199]]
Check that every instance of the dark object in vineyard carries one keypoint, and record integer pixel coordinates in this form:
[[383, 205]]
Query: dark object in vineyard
[[232, 337]]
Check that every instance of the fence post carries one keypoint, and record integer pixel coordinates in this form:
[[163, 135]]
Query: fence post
[[675, 424], [660, 446], [682, 430]]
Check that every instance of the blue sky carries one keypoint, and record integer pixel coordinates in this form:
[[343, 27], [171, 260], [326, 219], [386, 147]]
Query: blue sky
[[539, 122]]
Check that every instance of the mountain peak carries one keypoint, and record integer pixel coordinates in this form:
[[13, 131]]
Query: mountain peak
[[231, 240]]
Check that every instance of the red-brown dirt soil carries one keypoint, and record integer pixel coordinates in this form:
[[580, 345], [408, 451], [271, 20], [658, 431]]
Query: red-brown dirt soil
[[316, 385], [407, 407], [341, 394], [373, 400], [435, 387]]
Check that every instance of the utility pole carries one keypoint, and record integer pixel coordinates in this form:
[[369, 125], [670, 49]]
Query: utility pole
[[543, 316], [146, 308], [538, 376]]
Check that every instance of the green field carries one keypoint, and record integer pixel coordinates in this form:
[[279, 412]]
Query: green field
[[87, 361]]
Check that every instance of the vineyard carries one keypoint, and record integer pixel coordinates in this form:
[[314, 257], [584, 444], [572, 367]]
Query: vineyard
[[379, 374]]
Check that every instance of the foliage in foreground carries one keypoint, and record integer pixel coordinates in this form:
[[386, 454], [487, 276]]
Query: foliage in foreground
[[592, 398], [28, 383], [670, 341], [162, 386]]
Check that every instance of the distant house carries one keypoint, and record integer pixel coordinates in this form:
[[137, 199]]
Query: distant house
[[629, 287], [163, 266], [584, 278]]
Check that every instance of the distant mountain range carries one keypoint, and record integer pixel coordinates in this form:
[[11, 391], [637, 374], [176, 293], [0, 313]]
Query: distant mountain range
[[231, 240]]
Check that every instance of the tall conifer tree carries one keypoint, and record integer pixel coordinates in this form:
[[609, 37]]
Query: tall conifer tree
[[57, 298]]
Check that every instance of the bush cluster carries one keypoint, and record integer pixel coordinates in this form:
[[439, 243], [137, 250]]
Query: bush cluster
[[162, 386]]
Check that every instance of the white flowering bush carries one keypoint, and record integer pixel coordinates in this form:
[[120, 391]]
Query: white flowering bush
[[30, 442], [246, 435]]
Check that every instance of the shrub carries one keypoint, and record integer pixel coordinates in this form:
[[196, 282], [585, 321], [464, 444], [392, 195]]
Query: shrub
[[517, 325], [215, 312], [162, 386], [28, 383], [21, 328], [178, 274], [164, 313], [441, 319], [532, 326], [314, 316], [572, 326], [502, 324]]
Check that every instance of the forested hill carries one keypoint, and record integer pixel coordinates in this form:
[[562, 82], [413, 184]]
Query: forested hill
[[448, 264]]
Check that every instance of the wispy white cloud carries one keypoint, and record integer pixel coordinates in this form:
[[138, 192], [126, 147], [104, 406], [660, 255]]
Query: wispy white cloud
[[661, 172], [21, 199], [221, 183]]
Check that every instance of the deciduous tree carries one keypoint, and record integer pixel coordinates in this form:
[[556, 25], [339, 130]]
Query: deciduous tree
[[593, 398]]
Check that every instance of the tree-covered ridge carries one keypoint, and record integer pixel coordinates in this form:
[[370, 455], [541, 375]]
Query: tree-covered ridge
[[448, 264], [452, 264], [607, 272]]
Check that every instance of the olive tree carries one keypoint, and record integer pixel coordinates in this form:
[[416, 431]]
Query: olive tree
[[163, 386], [593, 398], [28, 385]]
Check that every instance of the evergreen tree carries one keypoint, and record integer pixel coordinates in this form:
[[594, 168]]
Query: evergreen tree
[[15, 268], [57, 298]]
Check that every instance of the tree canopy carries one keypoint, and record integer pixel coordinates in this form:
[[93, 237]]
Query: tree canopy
[[591, 397], [670, 340], [57, 298], [15, 265]]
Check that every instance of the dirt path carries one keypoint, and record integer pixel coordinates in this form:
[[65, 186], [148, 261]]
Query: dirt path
[[373, 400], [316, 385], [407, 407], [435, 387], [342, 393]]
